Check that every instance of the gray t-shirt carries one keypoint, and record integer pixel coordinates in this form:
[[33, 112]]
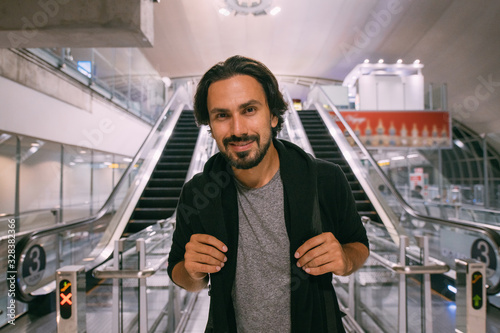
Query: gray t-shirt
[[261, 290]]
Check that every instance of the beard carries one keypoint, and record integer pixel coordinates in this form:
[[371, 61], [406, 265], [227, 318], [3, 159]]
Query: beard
[[244, 159]]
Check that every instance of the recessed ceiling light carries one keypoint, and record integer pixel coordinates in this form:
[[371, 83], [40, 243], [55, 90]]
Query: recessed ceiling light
[[275, 11], [224, 12]]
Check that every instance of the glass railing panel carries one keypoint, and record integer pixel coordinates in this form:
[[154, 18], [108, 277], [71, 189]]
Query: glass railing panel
[[40, 179], [448, 242], [157, 248], [102, 179], [292, 129], [390, 191], [375, 295], [381, 300], [77, 167], [82, 244], [442, 197], [121, 74]]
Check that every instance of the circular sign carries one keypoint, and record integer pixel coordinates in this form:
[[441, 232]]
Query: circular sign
[[483, 251], [33, 265]]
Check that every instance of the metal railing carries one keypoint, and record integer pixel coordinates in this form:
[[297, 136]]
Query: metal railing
[[144, 245], [293, 126], [90, 241], [408, 221], [387, 282]]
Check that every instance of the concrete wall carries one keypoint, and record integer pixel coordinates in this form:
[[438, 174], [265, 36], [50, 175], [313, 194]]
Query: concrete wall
[[76, 23]]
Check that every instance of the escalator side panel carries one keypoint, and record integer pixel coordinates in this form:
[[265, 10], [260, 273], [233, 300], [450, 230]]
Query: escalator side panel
[[159, 199]]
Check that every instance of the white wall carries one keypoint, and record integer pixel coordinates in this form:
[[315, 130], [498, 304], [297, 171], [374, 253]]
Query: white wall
[[414, 92], [104, 127], [391, 92], [367, 92]]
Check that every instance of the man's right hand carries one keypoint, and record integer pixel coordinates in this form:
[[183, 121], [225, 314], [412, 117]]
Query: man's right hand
[[204, 254]]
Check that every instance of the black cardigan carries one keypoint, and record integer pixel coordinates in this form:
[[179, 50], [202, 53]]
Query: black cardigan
[[208, 205]]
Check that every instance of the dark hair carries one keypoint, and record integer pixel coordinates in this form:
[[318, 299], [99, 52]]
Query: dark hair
[[238, 65]]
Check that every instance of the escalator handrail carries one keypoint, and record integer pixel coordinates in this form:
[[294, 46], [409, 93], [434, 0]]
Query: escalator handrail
[[488, 231], [303, 142], [28, 239], [102, 211]]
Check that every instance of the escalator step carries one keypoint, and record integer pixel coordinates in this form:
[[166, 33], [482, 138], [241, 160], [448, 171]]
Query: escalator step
[[173, 158], [170, 173], [158, 202], [152, 192], [179, 152], [359, 194], [152, 213], [364, 205], [172, 166], [355, 185], [180, 145], [165, 182]]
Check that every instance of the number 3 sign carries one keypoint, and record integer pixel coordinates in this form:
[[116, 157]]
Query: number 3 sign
[[483, 251], [33, 265]]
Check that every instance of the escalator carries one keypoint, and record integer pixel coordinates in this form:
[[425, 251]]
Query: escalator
[[325, 148], [159, 199]]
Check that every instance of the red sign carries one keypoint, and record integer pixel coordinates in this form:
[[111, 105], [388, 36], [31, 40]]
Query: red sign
[[422, 129]]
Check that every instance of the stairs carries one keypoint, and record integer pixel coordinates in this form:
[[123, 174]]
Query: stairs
[[159, 199], [325, 148]]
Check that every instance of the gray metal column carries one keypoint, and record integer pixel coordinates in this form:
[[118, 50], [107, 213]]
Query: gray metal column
[[117, 314], [143, 300], [402, 309], [423, 243], [471, 296], [486, 174], [431, 96]]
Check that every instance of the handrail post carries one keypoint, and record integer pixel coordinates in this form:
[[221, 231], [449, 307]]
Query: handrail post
[[402, 310], [143, 297], [171, 318], [423, 243], [351, 301]]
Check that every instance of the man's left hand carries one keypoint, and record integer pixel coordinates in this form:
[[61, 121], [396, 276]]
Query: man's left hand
[[322, 254]]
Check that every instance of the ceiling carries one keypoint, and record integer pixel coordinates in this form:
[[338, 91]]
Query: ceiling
[[458, 42]]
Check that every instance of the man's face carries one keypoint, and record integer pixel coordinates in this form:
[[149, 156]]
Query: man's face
[[240, 120]]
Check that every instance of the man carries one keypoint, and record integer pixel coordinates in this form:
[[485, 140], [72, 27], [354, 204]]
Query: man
[[417, 192], [265, 224]]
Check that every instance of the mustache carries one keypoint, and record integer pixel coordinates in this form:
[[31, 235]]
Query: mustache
[[234, 138]]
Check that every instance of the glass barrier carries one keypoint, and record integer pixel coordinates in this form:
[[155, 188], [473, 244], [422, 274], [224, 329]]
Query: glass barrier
[[292, 129], [156, 300], [461, 182], [150, 302], [404, 212], [84, 241], [123, 75], [54, 182], [381, 298]]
